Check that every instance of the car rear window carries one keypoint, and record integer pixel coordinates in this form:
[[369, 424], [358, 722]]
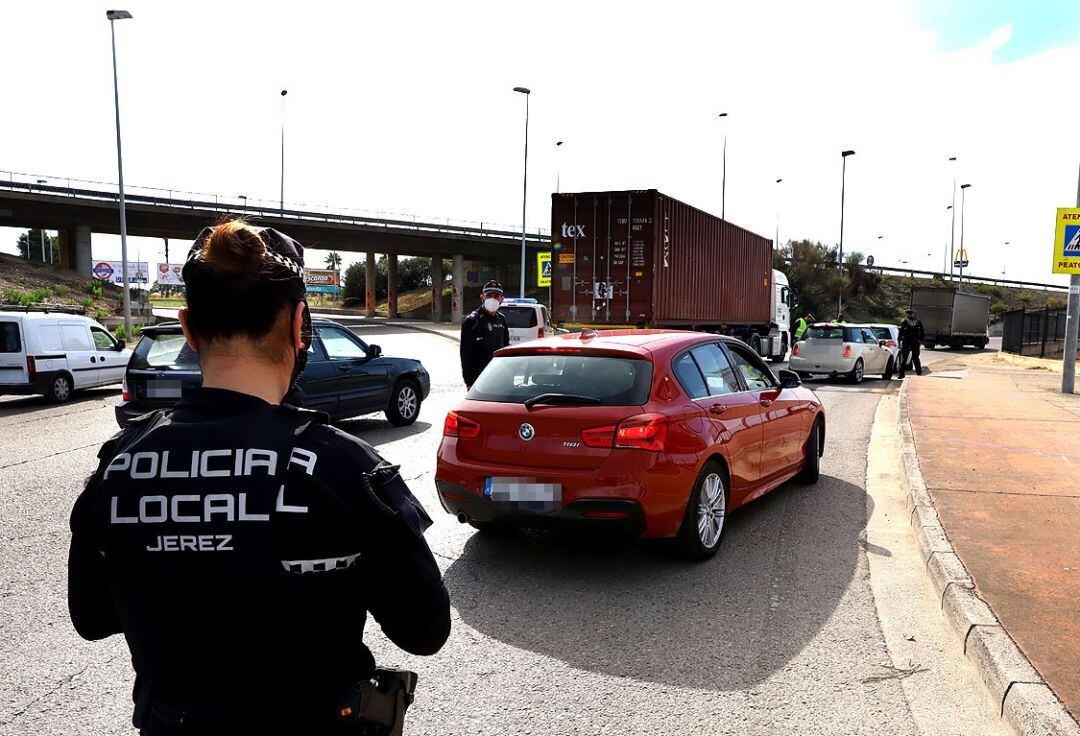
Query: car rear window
[[883, 333], [611, 381], [164, 351], [10, 342], [826, 333], [519, 317]]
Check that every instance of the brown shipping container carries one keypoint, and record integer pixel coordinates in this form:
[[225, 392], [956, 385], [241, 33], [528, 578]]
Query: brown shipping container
[[641, 257]]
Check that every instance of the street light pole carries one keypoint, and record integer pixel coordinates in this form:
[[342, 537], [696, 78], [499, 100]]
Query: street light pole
[[113, 16], [1072, 324], [952, 223], [963, 254], [776, 241], [723, 179], [524, 185], [558, 173], [840, 253], [281, 201]]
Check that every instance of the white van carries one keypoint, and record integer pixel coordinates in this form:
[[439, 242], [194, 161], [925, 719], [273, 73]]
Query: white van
[[53, 351], [526, 319]]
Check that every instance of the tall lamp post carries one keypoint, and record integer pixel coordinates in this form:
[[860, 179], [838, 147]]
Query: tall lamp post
[[281, 201], [776, 241], [723, 175], [113, 16], [524, 185], [558, 172], [952, 221], [840, 253], [963, 253]]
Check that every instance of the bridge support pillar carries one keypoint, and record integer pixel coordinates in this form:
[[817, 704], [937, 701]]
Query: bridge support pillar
[[458, 295], [79, 254], [391, 285], [501, 274], [369, 285], [438, 281]]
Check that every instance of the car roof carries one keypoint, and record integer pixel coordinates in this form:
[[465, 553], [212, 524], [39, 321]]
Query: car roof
[[168, 328], [46, 315], [641, 343]]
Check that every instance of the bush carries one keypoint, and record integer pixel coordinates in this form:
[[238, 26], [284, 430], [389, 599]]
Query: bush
[[60, 290], [93, 288], [121, 334], [87, 302], [12, 296], [34, 296], [100, 314]]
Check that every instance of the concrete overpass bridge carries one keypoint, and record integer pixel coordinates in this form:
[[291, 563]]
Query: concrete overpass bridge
[[79, 208]]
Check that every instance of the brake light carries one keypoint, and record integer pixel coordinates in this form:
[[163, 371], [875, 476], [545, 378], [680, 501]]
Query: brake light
[[599, 436], [645, 432], [891, 344], [459, 426], [31, 365], [847, 351], [795, 350], [539, 331], [124, 390]]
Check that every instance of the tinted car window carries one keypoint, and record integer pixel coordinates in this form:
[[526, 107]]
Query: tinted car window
[[10, 341], [611, 381], [76, 337], [519, 317], [102, 339], [689, 376], [853, 334], [869, 337], [757, 376], [883, 333], [719, 376], [340, 346], [827, 332], [164, 351]]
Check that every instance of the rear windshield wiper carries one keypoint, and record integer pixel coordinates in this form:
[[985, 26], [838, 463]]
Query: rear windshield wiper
[[560, 399]]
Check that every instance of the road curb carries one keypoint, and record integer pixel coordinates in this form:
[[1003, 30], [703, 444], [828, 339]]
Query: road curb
[[1024, 700], [429, 330]]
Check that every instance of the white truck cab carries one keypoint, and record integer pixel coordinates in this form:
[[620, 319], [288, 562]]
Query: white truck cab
[[55, 351]]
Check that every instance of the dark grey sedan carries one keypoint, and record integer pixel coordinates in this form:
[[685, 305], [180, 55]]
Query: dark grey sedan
[[345, 377]]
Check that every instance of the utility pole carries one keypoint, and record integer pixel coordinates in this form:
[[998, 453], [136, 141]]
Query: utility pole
[[1072, 323], [952, 223], [113, 16], [840, 249]]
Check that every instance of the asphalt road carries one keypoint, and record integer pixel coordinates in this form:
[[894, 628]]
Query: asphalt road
[[552, 633]]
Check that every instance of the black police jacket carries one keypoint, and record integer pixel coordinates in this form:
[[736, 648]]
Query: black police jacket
[[482, 334], [237, 547], [911, 333]]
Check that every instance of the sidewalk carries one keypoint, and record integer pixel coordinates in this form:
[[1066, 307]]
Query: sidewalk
[[999, 450]]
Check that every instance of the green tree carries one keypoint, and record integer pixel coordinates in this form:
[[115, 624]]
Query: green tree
[[333, 260], [31, 240], [413, 274]]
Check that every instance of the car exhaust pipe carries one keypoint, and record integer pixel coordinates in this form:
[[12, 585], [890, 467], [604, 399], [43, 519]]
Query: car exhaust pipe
[[462, 517]]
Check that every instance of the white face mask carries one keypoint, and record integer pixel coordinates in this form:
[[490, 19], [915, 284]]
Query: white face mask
[[491, 305]]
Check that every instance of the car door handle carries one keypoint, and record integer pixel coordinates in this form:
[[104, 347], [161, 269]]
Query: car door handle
[[344, 368], [717, 409], [93, 359], [765, 402]]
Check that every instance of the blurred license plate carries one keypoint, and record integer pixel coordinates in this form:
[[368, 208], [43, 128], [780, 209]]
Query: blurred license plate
[[529, 493], [163, 389]]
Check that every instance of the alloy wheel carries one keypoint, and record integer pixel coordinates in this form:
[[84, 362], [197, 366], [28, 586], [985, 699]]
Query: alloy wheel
[[406, 402], [711, 510]]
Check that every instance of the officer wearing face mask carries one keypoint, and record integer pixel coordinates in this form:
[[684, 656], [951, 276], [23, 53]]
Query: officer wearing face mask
[[239, 543], [482, 333]]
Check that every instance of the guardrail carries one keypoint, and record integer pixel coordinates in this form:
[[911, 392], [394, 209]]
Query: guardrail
[[35, 183]]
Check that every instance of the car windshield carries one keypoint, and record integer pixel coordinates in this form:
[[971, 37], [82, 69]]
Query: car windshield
[[827, 332], [519, 317], [164, 351], [608, 381]]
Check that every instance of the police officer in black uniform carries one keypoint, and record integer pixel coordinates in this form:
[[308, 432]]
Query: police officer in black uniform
[[482, 333], [911, 337], [237, 542]]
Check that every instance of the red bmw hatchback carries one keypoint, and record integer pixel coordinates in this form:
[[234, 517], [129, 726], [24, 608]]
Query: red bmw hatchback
[[659, 432]]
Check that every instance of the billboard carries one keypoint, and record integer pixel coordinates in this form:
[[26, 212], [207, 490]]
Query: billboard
[[112, 271], [322, 280], [170, 274]]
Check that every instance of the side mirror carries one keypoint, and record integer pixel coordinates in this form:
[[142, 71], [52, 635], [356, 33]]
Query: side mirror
[[789, 379], [120, 345], [374, 351], [883, 343]]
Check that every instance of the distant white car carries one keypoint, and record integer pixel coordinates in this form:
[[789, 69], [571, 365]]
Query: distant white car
[[55, 352], [891, 335], [527, 319], [847, 350]]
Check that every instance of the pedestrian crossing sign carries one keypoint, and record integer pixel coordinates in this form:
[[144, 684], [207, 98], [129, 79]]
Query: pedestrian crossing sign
[[543, 268], [1067, 241]]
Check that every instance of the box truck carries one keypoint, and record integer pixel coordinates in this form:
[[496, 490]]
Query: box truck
[[643, 259], [951, 317]]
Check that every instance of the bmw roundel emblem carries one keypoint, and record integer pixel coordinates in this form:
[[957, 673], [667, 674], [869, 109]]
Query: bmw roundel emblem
[[526, 431]]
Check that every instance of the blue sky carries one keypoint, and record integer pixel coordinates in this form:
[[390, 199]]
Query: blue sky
[[1037, 25]]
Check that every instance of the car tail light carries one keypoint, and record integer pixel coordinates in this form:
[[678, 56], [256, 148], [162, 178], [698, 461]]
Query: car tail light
[[599, 436], [795, 350], [31, 365], [645, 432], [847, 351], [124, 389], [459, 426], [539, 331], [891, 344]]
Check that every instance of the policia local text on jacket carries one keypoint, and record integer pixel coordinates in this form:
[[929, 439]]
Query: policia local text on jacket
[[235, 546], [482, 333]]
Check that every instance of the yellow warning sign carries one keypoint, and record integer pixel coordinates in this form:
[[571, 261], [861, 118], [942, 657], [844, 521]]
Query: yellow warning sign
[[566, 258], [543, 268], [1067, 241]]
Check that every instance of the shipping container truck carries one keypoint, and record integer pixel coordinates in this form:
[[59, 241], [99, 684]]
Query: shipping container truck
[[643, 259], [951, 317]]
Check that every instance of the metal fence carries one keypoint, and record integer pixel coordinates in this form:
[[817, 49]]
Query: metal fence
[[1040, 333]]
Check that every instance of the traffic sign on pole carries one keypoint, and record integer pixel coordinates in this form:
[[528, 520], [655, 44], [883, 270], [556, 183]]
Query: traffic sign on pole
[[543, 268], [1067, 241]]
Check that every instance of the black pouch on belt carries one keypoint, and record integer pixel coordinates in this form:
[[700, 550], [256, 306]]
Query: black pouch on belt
[[376, 707]]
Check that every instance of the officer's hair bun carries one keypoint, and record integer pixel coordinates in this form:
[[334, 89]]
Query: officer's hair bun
[[234, 247]]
